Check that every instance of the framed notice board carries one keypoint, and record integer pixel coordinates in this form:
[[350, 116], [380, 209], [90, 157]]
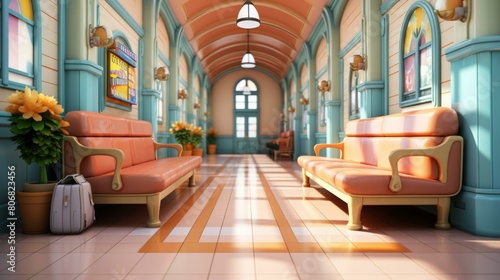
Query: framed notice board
[[122, 76]]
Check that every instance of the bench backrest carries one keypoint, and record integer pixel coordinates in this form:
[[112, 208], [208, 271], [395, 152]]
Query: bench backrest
[[286, 140], [370, 141], [96, 130]]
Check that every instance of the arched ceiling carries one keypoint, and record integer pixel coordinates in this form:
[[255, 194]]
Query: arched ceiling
[[210, 28]]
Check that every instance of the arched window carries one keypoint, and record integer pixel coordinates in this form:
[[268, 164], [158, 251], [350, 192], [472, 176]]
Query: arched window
[[246, 97], [246, 105], [17, 66], [420, 67]]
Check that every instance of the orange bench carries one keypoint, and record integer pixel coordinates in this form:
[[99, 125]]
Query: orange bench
[[118, 157], [282, 146], [412, 158]]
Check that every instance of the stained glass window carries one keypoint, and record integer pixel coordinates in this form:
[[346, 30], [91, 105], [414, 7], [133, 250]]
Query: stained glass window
[[417, 58], [20, 42]]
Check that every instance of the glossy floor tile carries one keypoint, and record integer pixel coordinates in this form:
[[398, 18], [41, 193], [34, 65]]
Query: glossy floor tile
[[249, 218]]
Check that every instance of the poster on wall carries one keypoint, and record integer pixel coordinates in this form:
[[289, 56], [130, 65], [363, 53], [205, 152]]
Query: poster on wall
[[121, 75]]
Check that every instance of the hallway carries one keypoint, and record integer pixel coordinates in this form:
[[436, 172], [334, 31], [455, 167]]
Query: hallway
[[249, 218]]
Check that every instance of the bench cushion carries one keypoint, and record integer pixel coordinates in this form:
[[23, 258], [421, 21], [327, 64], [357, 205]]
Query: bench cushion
[[362, 179], [147, 178]]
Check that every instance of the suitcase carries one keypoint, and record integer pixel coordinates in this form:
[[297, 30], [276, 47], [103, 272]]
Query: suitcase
[[72, 209]]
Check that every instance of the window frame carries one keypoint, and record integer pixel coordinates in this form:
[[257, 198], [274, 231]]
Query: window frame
[[246, 112], [353, 86], [5, 70], [435, 48]]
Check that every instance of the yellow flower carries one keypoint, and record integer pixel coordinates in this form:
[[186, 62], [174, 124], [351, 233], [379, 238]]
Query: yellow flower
[[51, 104], [197, 131], [32, 107]]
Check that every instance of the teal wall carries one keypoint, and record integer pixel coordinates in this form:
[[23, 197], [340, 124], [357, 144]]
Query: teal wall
[[475, 78]]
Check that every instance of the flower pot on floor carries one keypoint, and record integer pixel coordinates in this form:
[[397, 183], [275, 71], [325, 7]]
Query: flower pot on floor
[[212, 148], [198, 152], [34, 207]]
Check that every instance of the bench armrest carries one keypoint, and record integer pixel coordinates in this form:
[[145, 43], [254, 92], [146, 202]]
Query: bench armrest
[[177, 147], [440, 153], [319, 147], [80, 152]]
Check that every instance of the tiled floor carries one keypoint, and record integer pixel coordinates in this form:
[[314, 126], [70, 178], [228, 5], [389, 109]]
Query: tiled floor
[[249, 218]]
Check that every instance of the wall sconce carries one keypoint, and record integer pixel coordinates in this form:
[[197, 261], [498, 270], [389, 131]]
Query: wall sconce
[[162, 73], [304, 101], [196, 105], [324, 86], [182, 94], [452, 9], [100, 37], [291, 109], [358, 62], [206, 114]]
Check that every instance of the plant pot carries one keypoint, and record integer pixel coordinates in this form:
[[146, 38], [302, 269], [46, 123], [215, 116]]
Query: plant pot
[[188, 147], [198, 152], [186, 153], [34, 204], [212, 148], [34, 210]]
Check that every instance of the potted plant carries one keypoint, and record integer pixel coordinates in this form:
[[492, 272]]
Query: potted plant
[[197, 139], [211, 138], [38, 132], [182, 134]]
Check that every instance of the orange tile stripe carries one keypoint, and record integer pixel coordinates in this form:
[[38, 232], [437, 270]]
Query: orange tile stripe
[[191, 244]]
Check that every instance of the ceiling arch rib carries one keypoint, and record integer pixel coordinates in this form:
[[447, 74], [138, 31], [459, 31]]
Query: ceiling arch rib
[[210, 29]]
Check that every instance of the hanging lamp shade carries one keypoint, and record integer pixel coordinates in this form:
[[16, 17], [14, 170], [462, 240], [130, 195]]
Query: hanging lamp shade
[[248, 61], [246, 88], [248, 17]]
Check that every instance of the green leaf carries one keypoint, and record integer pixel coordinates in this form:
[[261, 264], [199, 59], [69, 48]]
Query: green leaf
[[37, 126]]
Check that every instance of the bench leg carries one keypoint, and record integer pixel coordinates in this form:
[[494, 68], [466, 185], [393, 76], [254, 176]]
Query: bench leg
[[305, 179], [153, 204], [443, 210], [354, 207], [192, 180]]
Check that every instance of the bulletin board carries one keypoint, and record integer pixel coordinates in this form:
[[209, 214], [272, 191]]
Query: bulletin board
[[122, 88]]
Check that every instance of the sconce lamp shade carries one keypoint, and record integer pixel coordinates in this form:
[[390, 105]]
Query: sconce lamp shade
[[324, 86], [304, 101], [452, 9], [182, 94], [248, 61], [358, 62], [161, 73], [248, 17], [101, 37], [291, 109], [196, 105]]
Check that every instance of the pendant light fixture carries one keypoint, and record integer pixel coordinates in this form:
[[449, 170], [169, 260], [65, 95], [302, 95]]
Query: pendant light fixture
[[246, 88], [248, 17], [248, 60]]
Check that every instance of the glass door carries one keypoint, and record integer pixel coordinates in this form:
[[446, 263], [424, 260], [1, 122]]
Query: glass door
[[246, 137]]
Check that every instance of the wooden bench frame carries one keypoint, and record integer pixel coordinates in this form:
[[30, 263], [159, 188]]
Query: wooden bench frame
[[355, 202], [88, 125], [285, 145], [152, 200]]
